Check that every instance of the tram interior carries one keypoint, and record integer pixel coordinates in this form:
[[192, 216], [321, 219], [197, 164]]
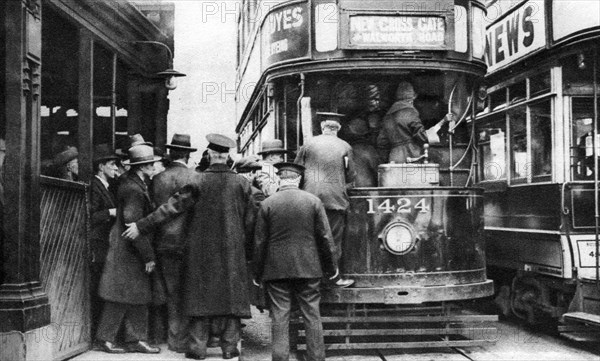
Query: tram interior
[[365, 99]]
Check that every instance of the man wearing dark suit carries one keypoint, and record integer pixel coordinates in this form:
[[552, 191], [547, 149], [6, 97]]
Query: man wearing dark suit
[[170, 236], [103, 214], [293, 249]]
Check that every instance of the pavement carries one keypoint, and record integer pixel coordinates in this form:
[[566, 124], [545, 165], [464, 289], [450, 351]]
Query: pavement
[[514, 342]]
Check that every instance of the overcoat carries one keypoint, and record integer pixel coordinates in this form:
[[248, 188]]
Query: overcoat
[[292, 237], [124, 279], [402, 132], [101, 222], [329, 170], [170, 236], [215, 277], [366, 160]]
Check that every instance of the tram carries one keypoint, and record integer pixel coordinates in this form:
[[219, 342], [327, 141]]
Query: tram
[[537, 157], [415, 230]]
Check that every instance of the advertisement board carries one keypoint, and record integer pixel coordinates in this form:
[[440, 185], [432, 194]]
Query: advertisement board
[[285, 34]]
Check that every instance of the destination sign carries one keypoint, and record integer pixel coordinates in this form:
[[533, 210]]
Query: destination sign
[[397, 31]]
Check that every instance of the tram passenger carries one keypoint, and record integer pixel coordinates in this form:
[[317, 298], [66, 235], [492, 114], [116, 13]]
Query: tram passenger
[[293, 250], [402, 133], [66, 164], [103, 215], [366, 158], [215, 283], [330, 172], [170, 237], [272, 152], [125, 285]]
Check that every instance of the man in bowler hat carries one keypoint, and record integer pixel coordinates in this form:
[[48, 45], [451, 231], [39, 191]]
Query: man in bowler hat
[[293, 250], [170, 236], [272, 152], [218, 203]]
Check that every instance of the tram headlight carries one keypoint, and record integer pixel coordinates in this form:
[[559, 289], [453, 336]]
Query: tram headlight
[[398, 238]]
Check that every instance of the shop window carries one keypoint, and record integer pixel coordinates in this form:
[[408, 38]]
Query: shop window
[[578, 73], [492, 146], [519, 164], [541, 141], [60, 84]]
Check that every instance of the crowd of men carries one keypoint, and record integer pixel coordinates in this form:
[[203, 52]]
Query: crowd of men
[[194, 238]]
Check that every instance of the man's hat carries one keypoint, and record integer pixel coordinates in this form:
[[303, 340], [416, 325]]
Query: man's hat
[[405, 91], [141, 154], [66, 156], [220, 143], [181, 142], [272, 146], [102, 152], [287, 166], [133, 140], [327, 118], [247, 164]]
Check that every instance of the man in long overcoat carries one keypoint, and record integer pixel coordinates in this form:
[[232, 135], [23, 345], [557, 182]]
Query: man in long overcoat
[[402, 133], [293, 249], [103, 211], [329, 173], [218, 202], [126, 284], [170, 236]]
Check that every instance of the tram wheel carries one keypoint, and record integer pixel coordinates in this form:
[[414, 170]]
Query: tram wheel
[[526, 293]]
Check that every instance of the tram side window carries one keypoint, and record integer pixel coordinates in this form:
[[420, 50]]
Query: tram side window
[[492, 143], [519, 165], [541, 141], [582, 148]]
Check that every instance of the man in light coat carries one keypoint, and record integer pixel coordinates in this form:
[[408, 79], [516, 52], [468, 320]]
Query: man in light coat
[[329, 173]]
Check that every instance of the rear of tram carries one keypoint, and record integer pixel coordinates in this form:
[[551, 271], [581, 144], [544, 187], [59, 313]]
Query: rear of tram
[[414, 240]]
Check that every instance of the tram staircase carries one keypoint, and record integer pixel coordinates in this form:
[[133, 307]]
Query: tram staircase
[[374, 327], [582, 322]]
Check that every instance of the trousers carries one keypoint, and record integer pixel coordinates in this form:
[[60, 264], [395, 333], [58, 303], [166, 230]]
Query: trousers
[[306, 292], [337, 222], [200, 330], [172, 268], [113, 315]]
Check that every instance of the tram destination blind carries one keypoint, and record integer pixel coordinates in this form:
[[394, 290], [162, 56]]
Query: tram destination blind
[[413, 32]]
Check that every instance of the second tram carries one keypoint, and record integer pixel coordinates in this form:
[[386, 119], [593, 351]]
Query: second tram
[[415, 231], [538, 159]]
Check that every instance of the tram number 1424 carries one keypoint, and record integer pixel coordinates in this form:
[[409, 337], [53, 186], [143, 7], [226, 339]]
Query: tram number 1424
[[401, 205]]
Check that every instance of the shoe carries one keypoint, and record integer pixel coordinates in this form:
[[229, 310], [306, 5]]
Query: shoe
[[339, 282], [143, 347], [231, 354], [213, 341], [194, 356], [110, 347]]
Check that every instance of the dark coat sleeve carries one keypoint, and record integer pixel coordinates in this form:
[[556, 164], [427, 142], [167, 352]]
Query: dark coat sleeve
[[252, 208], [415, 125], [324, 240], [178, 203], [134, 203], [261, 236]]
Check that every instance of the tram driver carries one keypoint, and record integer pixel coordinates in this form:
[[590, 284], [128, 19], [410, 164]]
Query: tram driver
[[402, 133]]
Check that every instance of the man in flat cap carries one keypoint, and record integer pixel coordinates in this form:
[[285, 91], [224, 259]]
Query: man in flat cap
[[330, 172], [293, 250], [218, 202], [103, 212], [272, 152], [402, 134], [170, 236]]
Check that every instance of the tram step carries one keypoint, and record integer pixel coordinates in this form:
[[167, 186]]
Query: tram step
[[583, 317], [582, 336]]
